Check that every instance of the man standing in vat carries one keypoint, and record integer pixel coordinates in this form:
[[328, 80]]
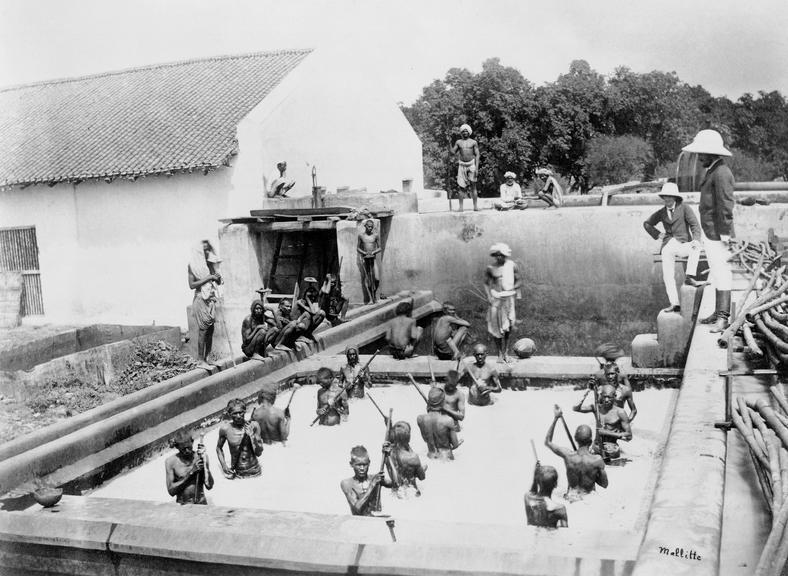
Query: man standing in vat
[[454, 399], [584, 470], [188, 473], [350, 371], [483, 378], [244, 441], [361, 491], [467, 150], [540, 509], [274, 422], [437, 428], [502, 285], [406, 462], [716, 219], [612, 422], [332, 406]]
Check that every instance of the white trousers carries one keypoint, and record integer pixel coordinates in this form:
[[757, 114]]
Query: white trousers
[[670, 252], [719, 268]]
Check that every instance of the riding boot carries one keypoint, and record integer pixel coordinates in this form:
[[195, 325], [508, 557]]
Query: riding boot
[[723, 311], [713, 318]]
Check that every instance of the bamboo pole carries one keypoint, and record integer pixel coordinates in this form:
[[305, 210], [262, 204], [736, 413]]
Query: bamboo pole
[[768, 414], [748, 436], [731, 330], [768, 557], [774, 467], [784, 471], [750, 340], [779, 396]]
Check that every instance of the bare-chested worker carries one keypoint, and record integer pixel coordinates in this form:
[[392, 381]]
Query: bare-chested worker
[[243, 439], [274, 422], [406, 462], [368, 248], [188, 473], [288, 330], [331, 401], [449, 333], [361, 490], [352, 372], [482, 377], [454, 399], [281, 184], [502, 284], [310, 314], [584, 470], [467, 150], [403, 334], [611, 374], [256, 332], [437, 428], [540, 508], [612, 419], [204, 279]]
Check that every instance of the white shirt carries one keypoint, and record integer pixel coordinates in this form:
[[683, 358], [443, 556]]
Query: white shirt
[[510, 193]]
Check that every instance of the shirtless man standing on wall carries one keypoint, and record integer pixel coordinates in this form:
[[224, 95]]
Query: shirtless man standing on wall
[[467, 150], [368, 249], [584, 470]]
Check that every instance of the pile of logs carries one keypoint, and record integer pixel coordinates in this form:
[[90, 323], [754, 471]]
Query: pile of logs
[[766, 432], [763, 320]]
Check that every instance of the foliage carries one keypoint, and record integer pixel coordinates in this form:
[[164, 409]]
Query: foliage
[[748, 168], [615, 159]]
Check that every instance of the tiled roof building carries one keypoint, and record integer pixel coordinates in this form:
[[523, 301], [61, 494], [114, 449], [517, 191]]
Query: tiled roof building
[[152, 120]]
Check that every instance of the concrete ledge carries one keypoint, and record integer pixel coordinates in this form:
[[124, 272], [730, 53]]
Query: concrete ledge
[[686, 511]]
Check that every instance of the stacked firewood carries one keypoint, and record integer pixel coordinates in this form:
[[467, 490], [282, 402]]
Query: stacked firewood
[[763, 320], [765, 430]]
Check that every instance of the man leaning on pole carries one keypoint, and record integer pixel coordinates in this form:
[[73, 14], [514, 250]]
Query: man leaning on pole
[[716, 219]]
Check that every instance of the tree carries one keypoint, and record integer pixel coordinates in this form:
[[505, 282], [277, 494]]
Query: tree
[[571, 111], [760, 128], [613, 159], [498, 103]]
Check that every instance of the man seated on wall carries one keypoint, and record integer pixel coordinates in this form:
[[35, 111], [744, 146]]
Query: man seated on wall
[[403, 334], [449, 333], [310, 315], [511, 194], [280, 185], [256, 332]]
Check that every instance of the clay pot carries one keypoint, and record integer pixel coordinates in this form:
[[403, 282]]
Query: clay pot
[[48, 497]]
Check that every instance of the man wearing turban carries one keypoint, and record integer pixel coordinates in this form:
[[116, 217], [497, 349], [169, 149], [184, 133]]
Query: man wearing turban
[[467, 150]]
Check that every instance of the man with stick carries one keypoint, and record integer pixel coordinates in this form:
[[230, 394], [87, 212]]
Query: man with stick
[[467, 150], [243, 439], [274, 422], [204, 279], [188, 473], [437, 428], [353, 375], [502, 286], [361, 491], [716, 219], [612, 422], [584, 470], [483, 376], [449, 333], [454, 399], [623, 390], [368, 249], [332, 406], [406, 462], [540, 509]]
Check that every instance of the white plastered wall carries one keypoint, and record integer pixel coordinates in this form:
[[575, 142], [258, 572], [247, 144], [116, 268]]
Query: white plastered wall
[[118, 252], [329, 113]]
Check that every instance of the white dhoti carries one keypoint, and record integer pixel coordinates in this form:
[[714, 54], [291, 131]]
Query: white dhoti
[[501, 316], [670, 252]]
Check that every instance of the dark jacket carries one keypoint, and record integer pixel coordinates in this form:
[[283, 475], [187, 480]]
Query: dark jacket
[[683, 227], [716, 201]]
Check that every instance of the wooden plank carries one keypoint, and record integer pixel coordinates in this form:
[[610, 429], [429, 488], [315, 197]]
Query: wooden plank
[[305, 218]]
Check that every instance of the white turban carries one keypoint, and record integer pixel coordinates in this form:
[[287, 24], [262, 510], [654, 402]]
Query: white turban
[[510, 175], [501, 248], [466, 127]]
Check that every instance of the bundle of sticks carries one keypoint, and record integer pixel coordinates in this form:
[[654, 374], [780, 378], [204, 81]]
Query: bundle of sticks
[[765, 430], [762, 320]]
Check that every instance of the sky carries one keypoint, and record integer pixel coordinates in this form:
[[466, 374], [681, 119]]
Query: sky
[[728, 47]]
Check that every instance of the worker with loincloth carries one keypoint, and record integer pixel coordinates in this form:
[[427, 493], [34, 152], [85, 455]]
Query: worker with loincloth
[[352, 370], [467, 150], [540, 508], [332, 406], [204, 280], [310, 315], [502, 286], [511, 194], [449, 333], [256, 332], [454, 398], [280, 185], [680, 237], [243, 439], [584, 470], [187, 472], [716, 220], [482, 377], [551, 191], [287, 330], [613, 421], [406, 462], [403, 334], [368, 248], [274, 422], [437, 428]]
